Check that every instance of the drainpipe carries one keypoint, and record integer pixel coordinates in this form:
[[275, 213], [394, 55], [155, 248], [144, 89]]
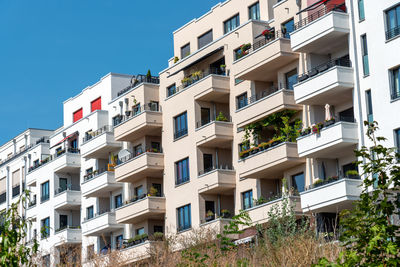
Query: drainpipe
[[216, 158], [357, 82], [215, 110], [8, 187]]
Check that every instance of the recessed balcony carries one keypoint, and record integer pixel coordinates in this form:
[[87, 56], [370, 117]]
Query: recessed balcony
[[330, 141], [135, 167], [217, 181], [215, 134], [67, 161], [99, 183], [149, 207], [68, 235], [322, 31], [269, 162], [146, 120], [264, 58], [100, 143], [212, 88], [331, 197], [67, 198], [100, 224], [263, 104], [329, 83]]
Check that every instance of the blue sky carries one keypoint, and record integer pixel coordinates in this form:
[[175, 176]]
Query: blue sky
[[51, 50]]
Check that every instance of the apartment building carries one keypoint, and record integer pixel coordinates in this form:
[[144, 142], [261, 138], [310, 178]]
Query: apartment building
[[215, 132]]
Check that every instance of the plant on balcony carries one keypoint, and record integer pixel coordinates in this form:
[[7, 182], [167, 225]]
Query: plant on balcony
[[316, 128], [158, 236], [185, 81], [176, 59], [225, 213], [260, 200], [306, 131], [222, 67], [329, 122], [196, 75], [352, 174], [148, 75], [268, 34], [210, 216], [153, 191], [245, 47], [284, 30], [221, 117]]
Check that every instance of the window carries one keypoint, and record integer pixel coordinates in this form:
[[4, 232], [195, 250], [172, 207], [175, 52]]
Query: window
[[364, 49], [361, 14], [205, 39], [157, 187], [77, 115], [89, 212], [44, 191], [182, 171], [137, 150], [119, 241], [185, 50], [139, 192], [171, 90], [63, 221], [140, 231], [231, 24], [45, 223], [241, 101], [136, 109], [298, 182], [158, 229], [368, 101], [393, 22], [397, 139], [291, 79], [117, 120], [184, 218], [3, 194], [395, 82], [118, 201], [180, 123], [36, 163], [348, 170], [287, 28], [247, 199], [254, 11], [95, 104]]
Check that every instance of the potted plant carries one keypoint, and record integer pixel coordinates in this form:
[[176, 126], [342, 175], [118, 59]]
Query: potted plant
[[245, 47], [209, 216], [148, 76], [176, 59], [352, 174], [158, 236], [244, 153], [196, 75], [153, 191], [144, 237], [185, 81], [253, 150], [225, 213], [329, 122], [318, 182], [268, 33], [222, 67], [221, 117]]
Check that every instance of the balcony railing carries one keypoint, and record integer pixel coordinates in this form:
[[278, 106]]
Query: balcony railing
[[91, 135], [395, 93], [332, 180], [138, 79], [69, 187], [219, 167], [256, 97], [320, 13], [342, 61], [393, 32], [3, 197], [50, 158], [138, 153], [212, 218], [205, 122], [180, 133], [135, 112], [140, 197], [66, 227], [97, 214], [32, 203], [246, 49], [316, 128], [196, 77], [44, 198], [94, 174]]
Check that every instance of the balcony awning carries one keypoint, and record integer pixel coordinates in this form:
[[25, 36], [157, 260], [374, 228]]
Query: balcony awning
[[313, 6], [67, 138], [197, 61]]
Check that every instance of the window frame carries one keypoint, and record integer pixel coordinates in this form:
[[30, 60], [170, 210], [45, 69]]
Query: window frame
[[182, 180], [204, 35], [245, 195], [182, 131], [292, 177], [89, 212], [229, 20], [368, 105], [45, 227], [182, 50], [394, 92], [245, 98], [364, 55], [169, 90], [361, 7], [256, 4], [46, 197], [180, 209], [387, 22]]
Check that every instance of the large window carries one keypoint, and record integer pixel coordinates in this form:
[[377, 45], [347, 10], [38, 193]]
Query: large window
[[368, 101], [364, 49], [361, 13], [205, 39], [89, 212], [395, 82], [254, 11], [45, 224], [397, 139], [184, 218], [182, 171], [118, 201], [393, 22], [119, 241], [247, 199], [180, 125], [171, 90], [287, 28], [241, 101], [185, 50], [291, 79], [44, 191], [298, 182], [231, 24]]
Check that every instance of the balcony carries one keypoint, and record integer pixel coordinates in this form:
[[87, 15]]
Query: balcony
[[259, 213], [100, 143], [213, 88], [135, 253], [264, 58], [138, 80], [263, 104], [135, 167], [330, 83], [67, 198], [149, 207], [99, 183], [328, 141], [217, 180], [100, 224], [322, 31], [215, 226], [269, 162], [214, 134], [333, 196], [67, 161], [146, 120], [68, 235]]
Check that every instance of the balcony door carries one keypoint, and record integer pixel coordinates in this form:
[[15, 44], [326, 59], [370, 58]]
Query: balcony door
[[210, 210], [207, 162], [63, 221], [63, 182], [205, 116], [216, 68], [347, 115]]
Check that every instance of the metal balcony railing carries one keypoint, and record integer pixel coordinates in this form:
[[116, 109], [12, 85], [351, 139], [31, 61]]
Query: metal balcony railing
[[139, 152], [98, 214], [135, 112], [180, 133], [64, 227], [256, 97], [69, 187], [208, 121], [320, 13], [94, 174], [332, 179], [139, 79], [393, 32], [91, 135], [219, 167]]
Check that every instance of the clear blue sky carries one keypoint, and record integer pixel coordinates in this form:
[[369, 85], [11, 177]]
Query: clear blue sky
[[51, 50]]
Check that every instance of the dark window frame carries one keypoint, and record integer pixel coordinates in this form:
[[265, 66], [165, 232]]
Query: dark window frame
[[364, 54], [200, 39], [257, 5], [180, 125], [185, 53], [182, 210], [245, 195], [180, 177], [228, 24]]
